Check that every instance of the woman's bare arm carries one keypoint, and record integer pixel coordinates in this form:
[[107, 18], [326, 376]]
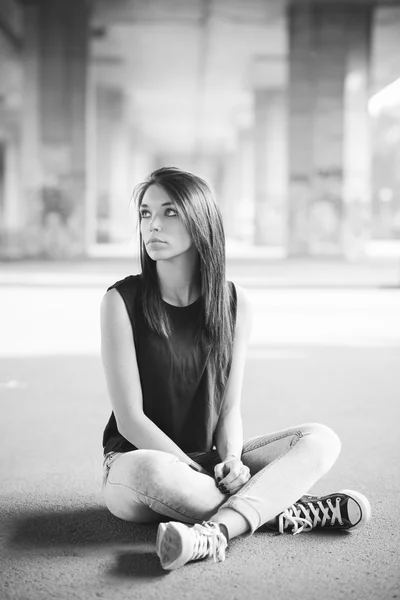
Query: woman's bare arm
[[123, 382]]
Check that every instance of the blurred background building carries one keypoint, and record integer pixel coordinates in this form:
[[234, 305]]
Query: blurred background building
[[290, 109]]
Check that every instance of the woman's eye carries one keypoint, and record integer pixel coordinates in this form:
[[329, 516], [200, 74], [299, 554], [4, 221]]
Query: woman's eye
[[169, 212]]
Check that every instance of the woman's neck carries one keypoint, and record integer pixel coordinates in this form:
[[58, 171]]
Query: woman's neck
[[179, 281]]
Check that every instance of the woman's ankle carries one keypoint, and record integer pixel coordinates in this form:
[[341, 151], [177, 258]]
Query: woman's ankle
[[224, 530], [234, 522]]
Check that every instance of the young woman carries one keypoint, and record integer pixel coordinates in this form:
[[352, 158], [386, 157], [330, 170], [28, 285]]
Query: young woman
[[174, 342]]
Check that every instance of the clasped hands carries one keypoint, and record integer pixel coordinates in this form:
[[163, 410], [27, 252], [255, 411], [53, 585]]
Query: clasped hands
[[231, 475]]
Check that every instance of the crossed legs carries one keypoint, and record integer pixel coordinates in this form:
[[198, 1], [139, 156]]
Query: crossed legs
[[149, 486]]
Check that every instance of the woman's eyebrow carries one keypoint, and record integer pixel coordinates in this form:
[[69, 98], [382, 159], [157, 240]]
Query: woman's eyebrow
[[163, 204]]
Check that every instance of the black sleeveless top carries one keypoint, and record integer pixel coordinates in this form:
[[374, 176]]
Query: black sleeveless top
[[178, 395]]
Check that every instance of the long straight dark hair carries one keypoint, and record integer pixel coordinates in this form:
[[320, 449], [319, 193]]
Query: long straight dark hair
[[196, 206]]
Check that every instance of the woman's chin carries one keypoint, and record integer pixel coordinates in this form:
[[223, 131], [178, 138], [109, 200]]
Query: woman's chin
[[158, 254]]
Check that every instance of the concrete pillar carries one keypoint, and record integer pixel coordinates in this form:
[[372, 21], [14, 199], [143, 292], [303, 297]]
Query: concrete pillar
[[54, 125], [10, 181], [11, 186], [233, 182], [91, 159], [328, 86], [245, 209], [104, 120], [270, 166], [31, 164], [357, 140], [114, 179], [230, 196], [121, 183], [10, 114]]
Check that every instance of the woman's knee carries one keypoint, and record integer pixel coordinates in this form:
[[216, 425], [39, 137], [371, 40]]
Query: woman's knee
[[124, 506], [150, 482], [130, 480], [138, 470], [323, 442]]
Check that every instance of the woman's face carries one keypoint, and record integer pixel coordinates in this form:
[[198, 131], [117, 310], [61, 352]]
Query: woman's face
[[160, 221]]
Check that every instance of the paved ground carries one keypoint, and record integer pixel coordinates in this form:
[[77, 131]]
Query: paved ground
[[329, 354]]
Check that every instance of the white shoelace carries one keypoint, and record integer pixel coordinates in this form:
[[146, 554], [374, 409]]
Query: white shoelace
[[305, 519], [209, 541]]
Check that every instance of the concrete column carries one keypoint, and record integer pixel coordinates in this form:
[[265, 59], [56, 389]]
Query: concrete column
[[230, 196], [10, 181], [91, 159], [54, 126], [245, 209], [233, 182], [104, 120], [30, 200], [10, 115], [114, 179], [270, 166], [11, 186], [357, 141], [121, 187], [328, 44]]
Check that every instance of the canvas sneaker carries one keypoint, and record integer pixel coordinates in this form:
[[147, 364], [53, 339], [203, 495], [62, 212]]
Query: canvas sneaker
[[178, 543], [343, 510]]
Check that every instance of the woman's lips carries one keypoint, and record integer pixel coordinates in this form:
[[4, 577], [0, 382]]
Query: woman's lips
[[155, 241]]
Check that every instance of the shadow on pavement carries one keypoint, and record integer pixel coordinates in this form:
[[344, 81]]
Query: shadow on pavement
[[328, 533], [95, 526], [77, 527], [137, 565]]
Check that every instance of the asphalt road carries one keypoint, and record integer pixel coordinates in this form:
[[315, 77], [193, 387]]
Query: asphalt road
[[328, 355]]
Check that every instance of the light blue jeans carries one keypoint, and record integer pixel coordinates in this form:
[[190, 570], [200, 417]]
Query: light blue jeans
[[146, 486]]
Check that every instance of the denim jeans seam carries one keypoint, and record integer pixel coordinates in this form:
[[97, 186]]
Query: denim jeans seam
[[155, 499], [261, 442], [256, 477]]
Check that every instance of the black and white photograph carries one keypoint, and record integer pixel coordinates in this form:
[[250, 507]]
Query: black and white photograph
[[199, 299]]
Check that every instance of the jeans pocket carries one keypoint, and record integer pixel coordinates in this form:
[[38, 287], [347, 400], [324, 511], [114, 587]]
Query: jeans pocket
[[107, 462]]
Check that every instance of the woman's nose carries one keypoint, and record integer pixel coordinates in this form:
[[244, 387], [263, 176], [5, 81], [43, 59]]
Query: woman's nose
[[155, 223]]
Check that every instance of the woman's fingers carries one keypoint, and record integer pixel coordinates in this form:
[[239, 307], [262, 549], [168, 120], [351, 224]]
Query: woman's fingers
[[219, 472], [231, 470], [233, 488], [234, 485], [231, 475], [235, 473]]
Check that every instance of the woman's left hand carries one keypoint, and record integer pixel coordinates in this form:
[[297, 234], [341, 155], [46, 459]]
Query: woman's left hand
[[231, 475]]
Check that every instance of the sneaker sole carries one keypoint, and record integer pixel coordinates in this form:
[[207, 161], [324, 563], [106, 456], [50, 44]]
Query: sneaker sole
[[160, 534], [364, 504], [171, 550]]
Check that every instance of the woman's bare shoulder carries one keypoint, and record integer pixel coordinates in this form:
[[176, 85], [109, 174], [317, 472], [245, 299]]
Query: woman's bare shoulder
[[244, 306], [243, 297], [113, 313], [120, 297], [112, 302]]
